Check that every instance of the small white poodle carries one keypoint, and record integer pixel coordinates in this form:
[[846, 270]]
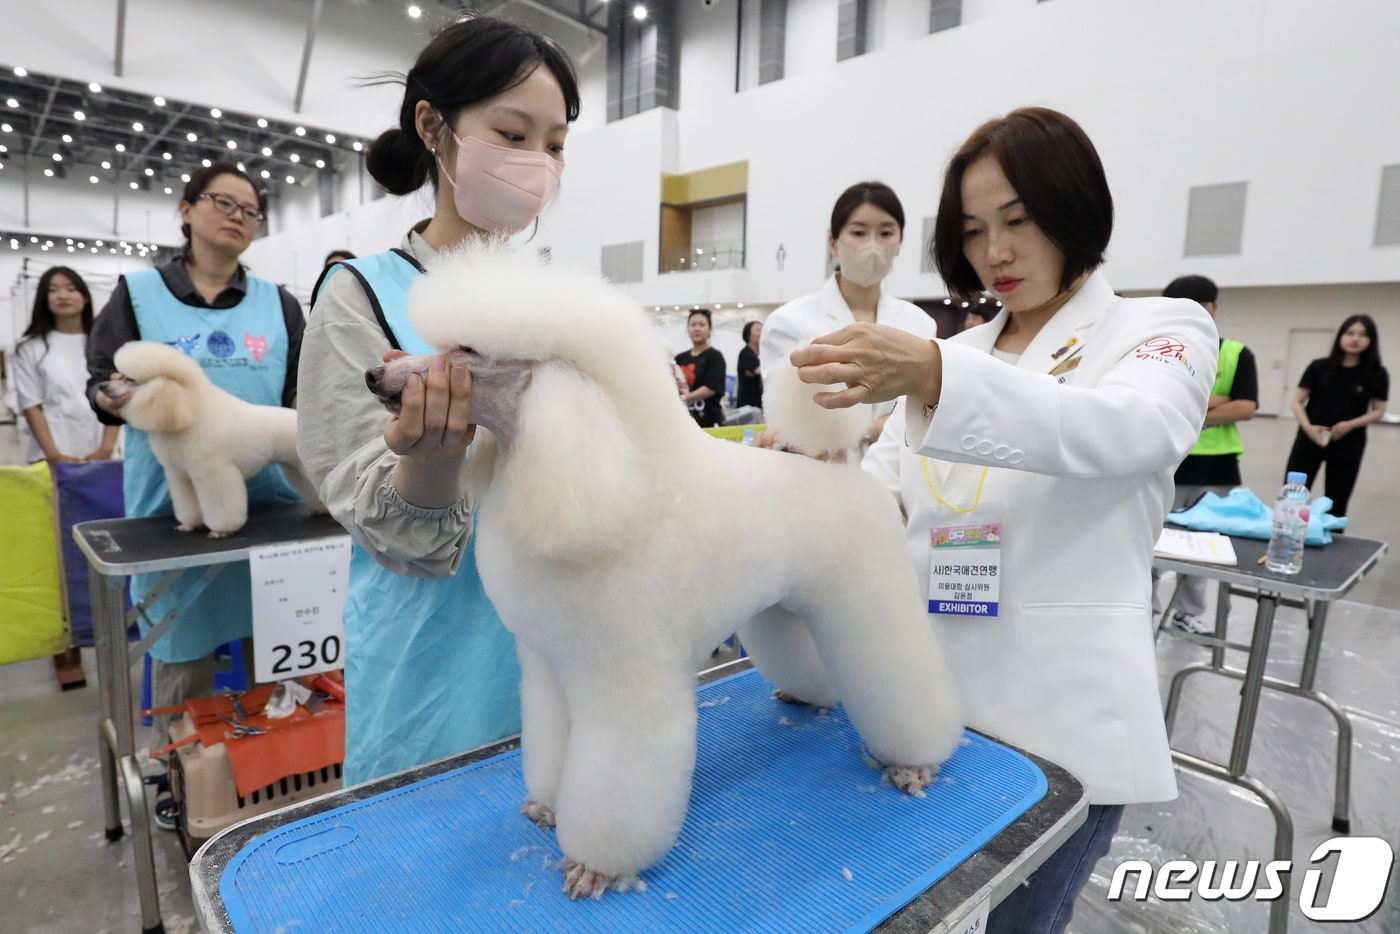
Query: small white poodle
[[209, 441], [621, 544]]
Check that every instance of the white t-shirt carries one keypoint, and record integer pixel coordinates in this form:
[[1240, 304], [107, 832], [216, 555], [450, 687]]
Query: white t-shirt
[[55, 378]]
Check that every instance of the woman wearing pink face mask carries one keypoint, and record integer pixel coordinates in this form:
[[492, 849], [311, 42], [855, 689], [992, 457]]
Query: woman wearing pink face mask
[[430, 670], [867, 229]]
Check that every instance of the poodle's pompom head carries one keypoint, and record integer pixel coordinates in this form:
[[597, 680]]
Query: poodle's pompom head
[[799, 422], [510, 305], [143, 361]]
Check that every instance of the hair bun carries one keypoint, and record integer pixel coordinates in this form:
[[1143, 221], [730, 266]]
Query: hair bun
[[398, 161]]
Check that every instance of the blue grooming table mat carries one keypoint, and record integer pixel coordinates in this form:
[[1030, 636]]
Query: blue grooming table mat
[[789, 829]]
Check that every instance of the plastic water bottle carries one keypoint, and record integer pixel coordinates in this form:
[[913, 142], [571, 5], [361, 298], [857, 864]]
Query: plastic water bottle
[[748, 439], [1285, 554]]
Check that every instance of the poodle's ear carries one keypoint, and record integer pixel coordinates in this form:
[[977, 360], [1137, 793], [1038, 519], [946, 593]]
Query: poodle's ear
[[161, 405], [575, 484]]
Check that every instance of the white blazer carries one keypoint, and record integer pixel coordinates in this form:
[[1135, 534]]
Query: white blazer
[[825, 311], [1081, 466]]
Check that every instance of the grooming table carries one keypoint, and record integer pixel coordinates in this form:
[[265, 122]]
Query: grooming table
[[1328, 574], [116, 549], [788, 830]]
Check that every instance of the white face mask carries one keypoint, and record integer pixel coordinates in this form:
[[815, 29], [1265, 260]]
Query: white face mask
[[865, 265]]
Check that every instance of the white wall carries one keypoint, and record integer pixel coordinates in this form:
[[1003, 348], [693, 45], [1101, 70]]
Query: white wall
[[1196, 92]]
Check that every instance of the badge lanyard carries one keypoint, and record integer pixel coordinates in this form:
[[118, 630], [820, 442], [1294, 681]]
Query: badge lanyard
[[965, 557]]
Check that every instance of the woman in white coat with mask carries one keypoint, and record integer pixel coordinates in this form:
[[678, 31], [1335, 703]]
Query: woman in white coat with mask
[[1033, 458], [867, 230]]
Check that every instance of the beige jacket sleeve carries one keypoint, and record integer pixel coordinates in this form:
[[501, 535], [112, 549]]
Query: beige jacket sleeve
[[340, 438]]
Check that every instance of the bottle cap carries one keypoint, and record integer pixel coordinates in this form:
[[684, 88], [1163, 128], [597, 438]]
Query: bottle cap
[[1297, 477]]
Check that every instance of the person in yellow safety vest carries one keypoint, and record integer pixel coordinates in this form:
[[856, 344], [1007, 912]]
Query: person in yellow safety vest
[[1213, 466]]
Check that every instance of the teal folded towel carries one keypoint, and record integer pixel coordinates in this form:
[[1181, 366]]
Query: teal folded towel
[[1244, 514]]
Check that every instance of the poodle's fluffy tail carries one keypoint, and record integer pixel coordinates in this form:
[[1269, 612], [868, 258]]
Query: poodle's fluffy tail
[[789, 410]]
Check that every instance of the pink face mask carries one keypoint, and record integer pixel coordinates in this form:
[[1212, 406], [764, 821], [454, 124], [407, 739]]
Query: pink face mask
[[501, 189]]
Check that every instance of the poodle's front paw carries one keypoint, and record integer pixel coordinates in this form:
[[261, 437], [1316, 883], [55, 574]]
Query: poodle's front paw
[[186, 527], [911, 779], [221, 533], [541, 814], [582, 882], [783, 696]]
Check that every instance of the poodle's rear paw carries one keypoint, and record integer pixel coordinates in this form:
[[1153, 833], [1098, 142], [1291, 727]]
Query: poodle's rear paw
[[186, 527], [214, 533], [582, 882], [541, 814], [911, 779]]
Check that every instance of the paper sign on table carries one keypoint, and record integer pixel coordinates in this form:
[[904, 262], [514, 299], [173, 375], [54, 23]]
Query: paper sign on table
[[299, 591], [1204, 547]]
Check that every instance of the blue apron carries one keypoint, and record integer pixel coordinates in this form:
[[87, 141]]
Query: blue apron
[[243, 350], [429, 669]]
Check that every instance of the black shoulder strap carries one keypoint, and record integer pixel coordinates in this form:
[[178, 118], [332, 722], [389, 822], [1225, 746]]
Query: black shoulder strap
[[408, 258]]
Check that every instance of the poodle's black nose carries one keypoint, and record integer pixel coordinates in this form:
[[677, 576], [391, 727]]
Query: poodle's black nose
[[373, 376]]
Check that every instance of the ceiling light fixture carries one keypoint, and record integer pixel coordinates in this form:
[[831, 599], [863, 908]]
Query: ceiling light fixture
[[79, 116], [291, 180], [232, 144], [158, 101], [106, 164], [267, 150], [138, 126], [150, 172], [48, 172], [356, 145], [330, 138], [414, 11], [262, 123], [320, 163], [295, 157], [66, 138], [639, 12], [20, 72], [166, 156], [192, 137], [94, 87], [12, 102], [265, 173], [215, 112], [93, 179]]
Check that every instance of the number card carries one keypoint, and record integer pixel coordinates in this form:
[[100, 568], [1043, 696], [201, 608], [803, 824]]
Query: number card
[[299, 591]]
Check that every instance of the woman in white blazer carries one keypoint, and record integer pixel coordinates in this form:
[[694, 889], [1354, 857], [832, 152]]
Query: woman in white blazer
[[1062, 419], [867, 229]]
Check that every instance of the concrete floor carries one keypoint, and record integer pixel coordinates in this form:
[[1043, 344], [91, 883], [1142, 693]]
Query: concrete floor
[[58, 874]]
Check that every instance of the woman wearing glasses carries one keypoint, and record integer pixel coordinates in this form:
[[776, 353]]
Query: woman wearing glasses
[[246, 334]]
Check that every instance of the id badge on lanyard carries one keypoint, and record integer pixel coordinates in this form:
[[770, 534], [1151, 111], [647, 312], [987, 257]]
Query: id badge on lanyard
[[965, 570]]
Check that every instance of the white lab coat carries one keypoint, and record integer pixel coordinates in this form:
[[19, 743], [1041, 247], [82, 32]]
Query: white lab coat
[[1081, 466], [825, 311]]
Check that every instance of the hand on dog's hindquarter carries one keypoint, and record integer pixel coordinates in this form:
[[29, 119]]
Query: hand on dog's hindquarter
[[431, 433]]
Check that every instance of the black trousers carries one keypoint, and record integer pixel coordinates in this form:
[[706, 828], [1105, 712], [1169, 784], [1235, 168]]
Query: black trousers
[[1308, 458]]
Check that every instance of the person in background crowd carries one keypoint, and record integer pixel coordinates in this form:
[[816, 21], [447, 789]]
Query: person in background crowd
[[337, 256], [1051, 435], [864, 235], [703, 367], [246, 334], [50, 367], [749, 390], [974, 316], [430, 671], [1213, 466], [1337, 397]]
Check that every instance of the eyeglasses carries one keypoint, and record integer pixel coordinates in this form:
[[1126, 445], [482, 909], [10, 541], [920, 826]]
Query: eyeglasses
[[229, 207]]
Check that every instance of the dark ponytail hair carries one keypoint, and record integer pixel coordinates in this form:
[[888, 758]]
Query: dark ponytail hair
[[42, 322], [201, 179], [470, 61]]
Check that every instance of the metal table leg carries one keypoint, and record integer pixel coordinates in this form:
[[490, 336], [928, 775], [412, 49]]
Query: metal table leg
[[118, 743], [104, 624], [1317, 624]]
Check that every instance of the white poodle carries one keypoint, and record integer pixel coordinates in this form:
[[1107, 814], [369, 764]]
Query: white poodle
[[621, 544], [209, 441]]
